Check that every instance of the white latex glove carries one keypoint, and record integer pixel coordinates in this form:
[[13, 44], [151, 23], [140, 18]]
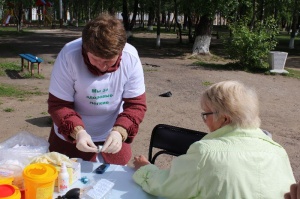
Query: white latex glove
[[113, 143], [84, 142]]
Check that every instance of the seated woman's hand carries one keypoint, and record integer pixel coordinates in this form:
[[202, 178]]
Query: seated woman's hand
[[294, 192], [140, 161]]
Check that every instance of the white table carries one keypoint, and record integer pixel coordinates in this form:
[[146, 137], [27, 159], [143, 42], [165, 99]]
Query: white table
[[124, 186]]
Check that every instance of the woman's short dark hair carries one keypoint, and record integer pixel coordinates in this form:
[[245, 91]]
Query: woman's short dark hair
[[104, 36]]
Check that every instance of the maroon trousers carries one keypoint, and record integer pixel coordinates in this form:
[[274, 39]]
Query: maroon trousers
[[69, 149]]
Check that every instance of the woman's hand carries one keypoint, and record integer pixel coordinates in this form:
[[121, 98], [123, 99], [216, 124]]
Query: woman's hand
[[84, 142], [113, 143], [294, 192], [140, 161]]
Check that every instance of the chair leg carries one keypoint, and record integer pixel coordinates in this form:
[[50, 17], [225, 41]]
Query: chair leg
[[38, 68], [22, 64], [32, 69]]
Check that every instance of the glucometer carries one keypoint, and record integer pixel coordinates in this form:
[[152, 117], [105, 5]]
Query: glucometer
[[102, 168]]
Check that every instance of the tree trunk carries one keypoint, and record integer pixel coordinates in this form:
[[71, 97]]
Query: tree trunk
[[18, 12], [125, 15], [191, 37], [262, 11], [203, 36], [176, 21], [158, 24], [294, 26], [168, 22], [126, 19], [151, 18], [185, 21], [135, 11], [253, 14], [111, 7]]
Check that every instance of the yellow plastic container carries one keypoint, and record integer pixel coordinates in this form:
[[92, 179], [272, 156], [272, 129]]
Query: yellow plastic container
[[39, 181], [15, 172], [9, 192], [5, 180], [6, 176]]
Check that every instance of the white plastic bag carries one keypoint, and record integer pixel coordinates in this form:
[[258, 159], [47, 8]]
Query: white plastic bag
[[21, 148]]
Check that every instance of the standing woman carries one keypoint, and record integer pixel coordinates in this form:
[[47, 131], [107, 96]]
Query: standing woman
[[97, 94], [235, 160]]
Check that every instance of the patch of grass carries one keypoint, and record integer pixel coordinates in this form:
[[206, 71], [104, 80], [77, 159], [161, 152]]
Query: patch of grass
[[206, 83], [236, 66], [293, 73], [12, 91], [217, 66], [44, 113], [8, 110], [283, 44], [28, 75], [8, 66], [12, 31]]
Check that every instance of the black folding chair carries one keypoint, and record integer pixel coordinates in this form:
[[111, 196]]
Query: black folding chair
[[172, 140]]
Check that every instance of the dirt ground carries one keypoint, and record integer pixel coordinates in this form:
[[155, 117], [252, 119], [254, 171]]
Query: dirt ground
[[166, 69]]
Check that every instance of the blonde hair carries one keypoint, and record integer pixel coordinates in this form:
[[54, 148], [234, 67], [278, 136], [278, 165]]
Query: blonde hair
[[104, 36], [234, 100]]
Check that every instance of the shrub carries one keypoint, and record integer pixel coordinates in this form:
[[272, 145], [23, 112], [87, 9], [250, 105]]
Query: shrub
[[250, 46]]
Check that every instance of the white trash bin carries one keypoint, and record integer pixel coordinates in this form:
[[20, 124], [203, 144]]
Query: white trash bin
[[277, 61]]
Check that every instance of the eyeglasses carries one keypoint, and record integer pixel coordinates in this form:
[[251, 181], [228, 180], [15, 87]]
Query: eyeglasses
[[205, 114]]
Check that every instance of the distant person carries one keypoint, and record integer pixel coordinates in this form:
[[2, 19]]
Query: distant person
[[97, 94], [236, 160], [294, 192]]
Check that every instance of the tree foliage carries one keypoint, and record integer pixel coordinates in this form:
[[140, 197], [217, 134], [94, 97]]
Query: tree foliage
[[250, 46]]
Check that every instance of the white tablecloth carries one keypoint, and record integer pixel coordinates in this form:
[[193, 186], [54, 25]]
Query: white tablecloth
[[124, 186]]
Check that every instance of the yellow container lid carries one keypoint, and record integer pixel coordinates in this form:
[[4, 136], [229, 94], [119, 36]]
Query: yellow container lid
[[9, 192], [40, 173]]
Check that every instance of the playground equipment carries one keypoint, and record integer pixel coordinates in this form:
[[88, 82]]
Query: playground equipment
[[7, 17], [46, 13]]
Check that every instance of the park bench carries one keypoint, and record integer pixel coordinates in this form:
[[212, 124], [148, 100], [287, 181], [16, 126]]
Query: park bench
[[183, 33], [31, 59]]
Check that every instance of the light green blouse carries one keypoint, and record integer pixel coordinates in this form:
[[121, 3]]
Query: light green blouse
[[231, 163]]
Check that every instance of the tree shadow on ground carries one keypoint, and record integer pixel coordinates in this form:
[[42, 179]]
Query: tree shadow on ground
[[169, 47], [45, 121]]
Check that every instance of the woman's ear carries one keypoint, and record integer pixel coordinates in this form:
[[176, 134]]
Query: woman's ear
[[226, 120]]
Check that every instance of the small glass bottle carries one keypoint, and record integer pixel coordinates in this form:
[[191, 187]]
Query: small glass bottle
[[63, 179]]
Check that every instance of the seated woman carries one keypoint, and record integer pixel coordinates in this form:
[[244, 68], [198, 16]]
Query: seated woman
[[236, 160]]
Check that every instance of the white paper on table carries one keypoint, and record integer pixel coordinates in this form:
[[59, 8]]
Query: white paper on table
[[101, 189]]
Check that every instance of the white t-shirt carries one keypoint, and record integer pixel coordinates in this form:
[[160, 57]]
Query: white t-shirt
[[98, 99]]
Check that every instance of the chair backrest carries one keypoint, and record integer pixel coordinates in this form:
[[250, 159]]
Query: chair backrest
[[172, 140]]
